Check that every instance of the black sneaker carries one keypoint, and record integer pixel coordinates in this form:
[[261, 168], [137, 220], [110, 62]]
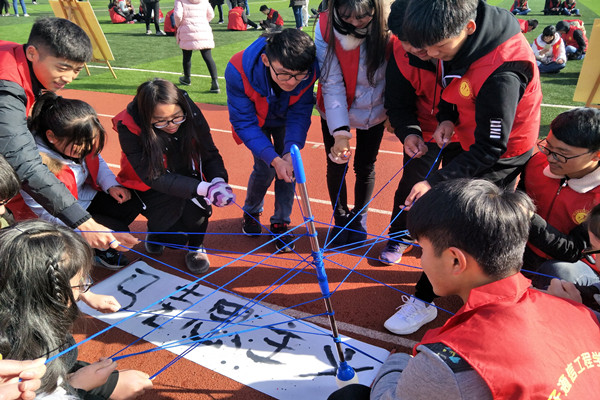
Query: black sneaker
[[110, 259], [285, 243], [153, 248], [185, 80], [251, 224]]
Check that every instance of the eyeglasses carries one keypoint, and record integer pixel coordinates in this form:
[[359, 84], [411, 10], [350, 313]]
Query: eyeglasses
[[84, 285], [285, 76], [175, 121], [590, 251], [561, 158]]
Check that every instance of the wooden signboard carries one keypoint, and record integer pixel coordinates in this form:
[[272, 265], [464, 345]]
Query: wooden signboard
[[82, 14], [589, 77]]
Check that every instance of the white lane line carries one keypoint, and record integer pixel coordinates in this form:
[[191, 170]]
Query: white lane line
[[348, 328], [220, 77], [271, 193]]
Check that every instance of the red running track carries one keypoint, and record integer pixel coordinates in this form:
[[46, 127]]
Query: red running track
[[361, 304]]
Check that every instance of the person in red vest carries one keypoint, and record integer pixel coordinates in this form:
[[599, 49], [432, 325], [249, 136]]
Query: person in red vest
[[520, 7], [170, 162], [270, 101], [273, 21], [549, 51], [54, 55], [568, 7], [490, 97], [527, 25], [573, 34], [353, 48], [563, 180], [508, 340], [237, 20], [411, 102], [70, 138], [491, 93]]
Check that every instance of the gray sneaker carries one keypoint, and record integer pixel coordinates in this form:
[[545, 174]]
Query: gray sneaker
[[197, 261]]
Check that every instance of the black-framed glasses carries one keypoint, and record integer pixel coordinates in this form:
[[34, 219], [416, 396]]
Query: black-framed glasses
[[84, 285], [175, 121], [286, 76], [561, 158]]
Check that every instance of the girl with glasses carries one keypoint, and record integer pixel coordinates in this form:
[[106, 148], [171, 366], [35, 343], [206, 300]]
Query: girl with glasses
[[171, 163], [352, 40], [41, 272]]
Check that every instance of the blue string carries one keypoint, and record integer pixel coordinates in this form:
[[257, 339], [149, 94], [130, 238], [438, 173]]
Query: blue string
[[257, 298], [205, 297]]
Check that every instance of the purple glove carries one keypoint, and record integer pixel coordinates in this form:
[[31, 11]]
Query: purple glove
[[217, 192]]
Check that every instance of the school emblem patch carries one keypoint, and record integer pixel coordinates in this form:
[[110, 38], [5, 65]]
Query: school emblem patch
[[579, 216], [465, 88]]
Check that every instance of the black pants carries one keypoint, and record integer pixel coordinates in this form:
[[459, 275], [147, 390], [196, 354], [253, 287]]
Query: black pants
[[365, 155], [206, 55], [151, 6], [172, 214], [219, 7], [106, 211], [4, 5], [504, 174], [415, 170]]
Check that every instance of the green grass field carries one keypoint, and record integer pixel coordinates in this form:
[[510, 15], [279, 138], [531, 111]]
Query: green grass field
[[142, 57]]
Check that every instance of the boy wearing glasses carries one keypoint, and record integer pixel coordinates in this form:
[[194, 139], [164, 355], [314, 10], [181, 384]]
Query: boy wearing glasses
[[563, 180], [270, 100]]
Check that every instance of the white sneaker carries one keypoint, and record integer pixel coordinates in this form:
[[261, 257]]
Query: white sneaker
[[411, 316]]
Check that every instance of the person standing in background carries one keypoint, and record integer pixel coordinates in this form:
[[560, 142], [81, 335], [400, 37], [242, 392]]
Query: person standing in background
[[192, 19], [219, 5], [151, 7]]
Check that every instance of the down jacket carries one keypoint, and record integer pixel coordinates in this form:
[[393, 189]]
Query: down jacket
[[192, 18]]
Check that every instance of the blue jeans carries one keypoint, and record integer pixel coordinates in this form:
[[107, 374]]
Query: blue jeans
[[578, 272], [521, 11], [298, 15], [15, 6], [261, 178], [550, 68], [570, 50]]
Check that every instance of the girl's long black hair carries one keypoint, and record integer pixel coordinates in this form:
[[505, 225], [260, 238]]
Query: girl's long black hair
[[37, 307]]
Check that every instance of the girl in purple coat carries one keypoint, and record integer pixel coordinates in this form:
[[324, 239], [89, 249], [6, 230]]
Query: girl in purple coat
[[192, 18]]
